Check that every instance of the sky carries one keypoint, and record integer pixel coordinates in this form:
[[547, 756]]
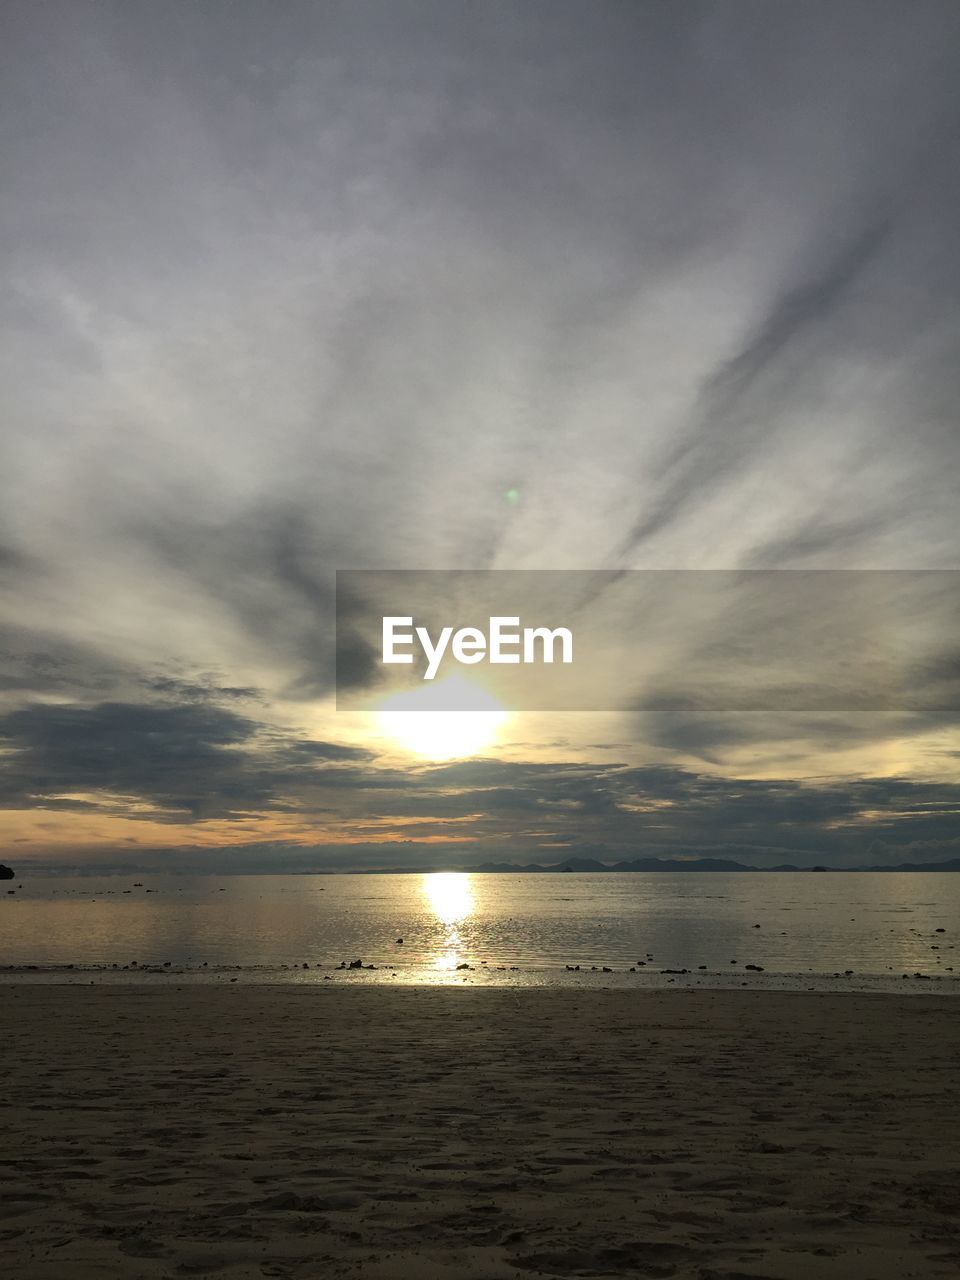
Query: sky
[[414, 285]]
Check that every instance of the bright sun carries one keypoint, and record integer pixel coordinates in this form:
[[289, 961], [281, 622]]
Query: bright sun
[[418, 722]]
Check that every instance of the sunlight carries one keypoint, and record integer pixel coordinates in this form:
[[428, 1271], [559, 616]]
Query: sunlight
[[417, 721], [449, 895]]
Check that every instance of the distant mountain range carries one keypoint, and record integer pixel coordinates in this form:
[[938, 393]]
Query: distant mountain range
[[693, 864]]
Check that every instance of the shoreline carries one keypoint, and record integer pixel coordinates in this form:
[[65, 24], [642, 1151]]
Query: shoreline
[[246, 1131], [518, 978]]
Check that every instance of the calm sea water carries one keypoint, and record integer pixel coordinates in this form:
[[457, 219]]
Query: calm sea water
[[522, 929]]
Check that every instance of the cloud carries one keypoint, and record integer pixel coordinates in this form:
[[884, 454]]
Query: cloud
[[188, 762], [293, 296], [194, 763], [732, 416]]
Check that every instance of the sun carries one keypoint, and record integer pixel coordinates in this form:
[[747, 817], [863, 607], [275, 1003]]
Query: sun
[[419, 722]]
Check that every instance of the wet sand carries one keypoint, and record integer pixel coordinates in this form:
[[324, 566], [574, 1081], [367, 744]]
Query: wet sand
[[257, 1131]]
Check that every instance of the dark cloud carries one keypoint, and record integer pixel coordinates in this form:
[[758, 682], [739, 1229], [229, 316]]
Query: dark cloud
[[45, 661], [187, 762], [199, 690], [634, 812]]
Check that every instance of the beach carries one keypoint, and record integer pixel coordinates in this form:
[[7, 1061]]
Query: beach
[[252, 1131]]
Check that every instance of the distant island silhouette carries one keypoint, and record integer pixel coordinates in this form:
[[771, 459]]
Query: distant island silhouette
[[590, 865], [698, 864]]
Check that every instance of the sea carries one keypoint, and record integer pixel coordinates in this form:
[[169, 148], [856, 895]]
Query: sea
[[804, 930]]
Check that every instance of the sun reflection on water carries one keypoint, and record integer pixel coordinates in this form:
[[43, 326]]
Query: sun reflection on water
[[449, 896]]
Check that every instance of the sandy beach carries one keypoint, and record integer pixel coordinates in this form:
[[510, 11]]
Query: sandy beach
[[252, 1131]]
